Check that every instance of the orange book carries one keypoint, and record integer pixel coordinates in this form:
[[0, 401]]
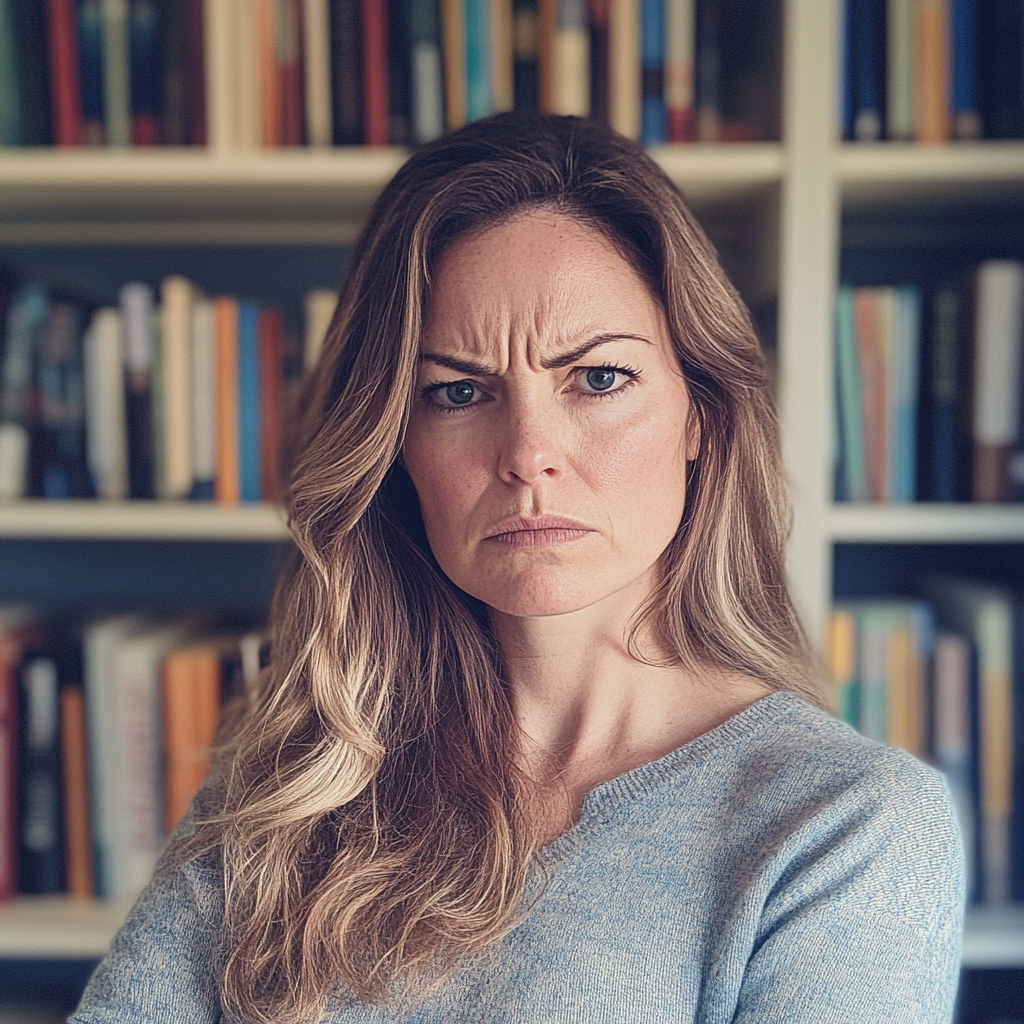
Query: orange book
[[271, 330], [75, 777], [269, 78], [547, 28], [872, 389], [190, 709], [225, 339], [453, 49], [931, 72]]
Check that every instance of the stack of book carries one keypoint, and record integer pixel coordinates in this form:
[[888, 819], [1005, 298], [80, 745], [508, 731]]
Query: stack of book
[[944, 679], [928, 390], [185, 397], [240, 74], [933, 70], [106, 733]]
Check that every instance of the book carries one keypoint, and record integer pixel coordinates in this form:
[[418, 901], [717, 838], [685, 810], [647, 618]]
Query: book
[[316, 40], [175, 68], [197, 72], [375, 72], [220, 56], [871, 381], [105, 419], [572, 59], [524, 53], [1000, 40], [931, 72], [547, 28], [853, 477], [963, 101], [624, 67], [652, 56], [176, 298], [268, 72], [10, 85], [842, 656], [865, 66], [116, 72], [225, 333], [65, 91], [91, 71], [899, 40], [427, 79], [599, 11], [33, 72], [680, 45], [319, 305], [145, 77], [399, 49], [204, 400], [271, 384], [904, 374], [78, 871], [708, 71], [998, 338], [478, 58], [136, 304], [503, 94], [288, 55], [246, 66], [347, 72], [248, 401]]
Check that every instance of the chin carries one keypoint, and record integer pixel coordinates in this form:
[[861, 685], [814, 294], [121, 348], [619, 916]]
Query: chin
[[540, 598]]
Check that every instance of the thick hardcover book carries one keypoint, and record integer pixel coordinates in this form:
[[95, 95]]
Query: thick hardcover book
[[136, 302], [33, 72], [316, 47], [478, 59], [652, 56], [571, 85], [375, 72], [427, 78], [248, 401], [290, 72], [40, 839], [176, 298], [271, 356], [78, 871], [65, 92], [347, 72], [105, 418], [524, 50], [116, 72], [220, 59], [866, 64], [145, 74], [963, 96], [931, 72], [90, 65], [680, 44], [225, 334]]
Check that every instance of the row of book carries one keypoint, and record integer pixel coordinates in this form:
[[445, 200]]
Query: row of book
[[928, 390], [240, 74], [181, 398], [944, 679], [933, 70], [105, 737]]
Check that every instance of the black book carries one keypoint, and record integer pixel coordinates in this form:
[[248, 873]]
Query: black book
[[524, 54], [347, 72], [399, 73], [33, 72], [1001, 68]]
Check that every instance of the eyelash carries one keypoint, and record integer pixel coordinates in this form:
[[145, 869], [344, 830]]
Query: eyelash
[[630, 373]]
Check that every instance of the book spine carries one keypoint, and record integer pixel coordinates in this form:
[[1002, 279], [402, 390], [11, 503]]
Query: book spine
[[247, 74], [318, 309], [599, 14], [503, 87], [572, 59], [10, 657], [271, 330], [871, 390], [999, 322], [873, 672], [931, 72], [886, 346], [708, 71], [399, 48], [478, 59], [347, 72], [267, 71], [652, 58], [197, 73], [316, 40], [176, 296], [204, 401], [136, 303], [547, 28], [900, 69], [848, 396], [938, 452], [290, 71], [427, 79], [64, 84], [248, 401], [33, 73], [842, 654], [91, 64], [453, 50], [868, 65], [225, 328], [680, 40], [75, 773], [907, 338], [116, 72], [524, 56], [175, 72], [11, 133], [105, 405], [375, 72], [144, 50], [624, 67], [966, 120]]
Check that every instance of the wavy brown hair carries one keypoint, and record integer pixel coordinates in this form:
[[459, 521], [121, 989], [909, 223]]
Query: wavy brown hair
[[373, 825]]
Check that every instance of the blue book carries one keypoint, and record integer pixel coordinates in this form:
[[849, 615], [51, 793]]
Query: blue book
[[652, 62], [249, 401], [846, 74], [907, 354], [963, 101], [866, 58], [144, 71], [479, 102], [90, 69]]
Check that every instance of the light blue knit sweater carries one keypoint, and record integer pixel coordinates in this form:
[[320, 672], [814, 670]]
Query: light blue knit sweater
[[778, 868]]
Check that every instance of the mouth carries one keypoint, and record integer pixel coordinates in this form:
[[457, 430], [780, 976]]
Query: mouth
[[542, 532]]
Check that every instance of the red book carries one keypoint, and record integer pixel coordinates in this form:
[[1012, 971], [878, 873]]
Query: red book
[[271, 330], [64, 88], [375, 72], [289, 74]]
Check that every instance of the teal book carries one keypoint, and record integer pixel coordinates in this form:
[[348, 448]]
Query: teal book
[[905, 377], [33, 72], [10, 86], [479, 102], [90, 70], [248, 401], [851, 443]]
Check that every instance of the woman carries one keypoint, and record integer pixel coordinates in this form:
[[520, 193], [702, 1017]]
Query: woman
[[538, 739]]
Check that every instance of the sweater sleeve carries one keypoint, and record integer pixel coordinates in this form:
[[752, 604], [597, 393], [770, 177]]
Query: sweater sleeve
[[163, 964], [865, 923]]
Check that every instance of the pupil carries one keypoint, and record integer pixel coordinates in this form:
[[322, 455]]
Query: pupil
[[600, 380], [460, 393]]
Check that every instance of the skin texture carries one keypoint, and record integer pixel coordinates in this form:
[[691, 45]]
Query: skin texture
[[548, 387]]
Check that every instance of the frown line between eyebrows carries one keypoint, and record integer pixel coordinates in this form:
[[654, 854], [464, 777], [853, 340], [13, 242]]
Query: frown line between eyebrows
[[475, 369]]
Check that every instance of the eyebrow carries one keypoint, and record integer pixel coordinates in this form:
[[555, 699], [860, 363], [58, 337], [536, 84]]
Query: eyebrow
[[475, 369]]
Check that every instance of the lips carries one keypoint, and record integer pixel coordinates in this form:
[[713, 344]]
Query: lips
[[539, 532]]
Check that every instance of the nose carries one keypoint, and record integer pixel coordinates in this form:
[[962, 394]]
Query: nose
[[532, 445]]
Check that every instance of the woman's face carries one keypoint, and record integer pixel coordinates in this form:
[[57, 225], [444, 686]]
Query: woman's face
[[551, 425]]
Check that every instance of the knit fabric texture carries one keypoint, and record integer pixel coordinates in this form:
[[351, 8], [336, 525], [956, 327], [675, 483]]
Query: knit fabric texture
[[780, 868]]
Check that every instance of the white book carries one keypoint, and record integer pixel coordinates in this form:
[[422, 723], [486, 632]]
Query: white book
[[624, 67], [319, 309], [105, 427], [999, 322], [572, 59], [204, 398], [316, 27], [247, 74], [136, 301], [176, 297], [117, 111], [220, 56]]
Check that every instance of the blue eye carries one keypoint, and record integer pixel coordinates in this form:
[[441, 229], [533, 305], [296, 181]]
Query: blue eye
[[601, 378], [461, 392]]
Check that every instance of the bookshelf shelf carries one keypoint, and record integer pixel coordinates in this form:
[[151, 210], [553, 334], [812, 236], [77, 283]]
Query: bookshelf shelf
[[140, 520], [58, 928], [926, 523]]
